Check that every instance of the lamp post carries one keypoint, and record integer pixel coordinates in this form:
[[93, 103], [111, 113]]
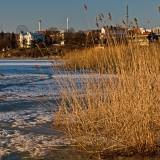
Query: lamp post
[[149, 25], [150, 28]]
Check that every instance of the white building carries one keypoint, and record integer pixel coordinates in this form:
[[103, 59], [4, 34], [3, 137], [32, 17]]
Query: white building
[[143, 30], [29, 39], [112, 35], [156, 30]]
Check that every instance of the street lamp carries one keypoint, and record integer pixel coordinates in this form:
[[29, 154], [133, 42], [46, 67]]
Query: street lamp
[[150, 27], [149, 24]]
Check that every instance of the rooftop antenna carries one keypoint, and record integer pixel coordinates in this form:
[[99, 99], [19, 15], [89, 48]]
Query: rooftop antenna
[[67, 24], [127, 16]]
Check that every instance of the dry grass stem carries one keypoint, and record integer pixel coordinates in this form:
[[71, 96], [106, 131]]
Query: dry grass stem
[[116, 111]]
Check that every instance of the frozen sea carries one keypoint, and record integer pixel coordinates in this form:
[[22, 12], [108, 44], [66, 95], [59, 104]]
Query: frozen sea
[[29, 97], [28, 100]]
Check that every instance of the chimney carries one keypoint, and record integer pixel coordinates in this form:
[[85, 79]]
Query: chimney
[[67, 24], [39, 25]]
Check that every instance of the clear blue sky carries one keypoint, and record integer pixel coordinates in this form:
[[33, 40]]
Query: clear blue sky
[[53, 13]]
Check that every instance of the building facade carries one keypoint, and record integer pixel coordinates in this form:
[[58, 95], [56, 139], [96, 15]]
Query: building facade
[[112, 35], [29, 39]]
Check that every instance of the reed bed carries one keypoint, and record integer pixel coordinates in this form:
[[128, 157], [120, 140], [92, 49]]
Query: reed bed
[[117, 111], [113, 59]]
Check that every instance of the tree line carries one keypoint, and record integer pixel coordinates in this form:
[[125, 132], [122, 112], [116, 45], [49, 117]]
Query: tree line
[[71, 37], [53, 36], [8, 40]]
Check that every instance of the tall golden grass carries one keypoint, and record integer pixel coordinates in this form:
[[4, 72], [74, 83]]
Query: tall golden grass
[[116, 111]]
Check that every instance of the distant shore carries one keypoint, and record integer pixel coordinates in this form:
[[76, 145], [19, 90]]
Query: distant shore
[[29, 53], [50, 52], [23, 57]]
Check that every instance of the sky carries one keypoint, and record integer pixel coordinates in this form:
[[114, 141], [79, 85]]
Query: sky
[[54, 13]]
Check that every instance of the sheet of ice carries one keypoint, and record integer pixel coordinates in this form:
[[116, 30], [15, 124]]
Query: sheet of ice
[[26, 118], [30, 99], [14, 141], [25, 92], [30, 62]]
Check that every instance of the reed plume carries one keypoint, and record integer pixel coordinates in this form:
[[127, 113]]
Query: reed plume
[[102, 15], [104, 23], [136, 22], [123, 21], [109, 16], [96, 20], [131, 25], [85, 7], [97, 25]]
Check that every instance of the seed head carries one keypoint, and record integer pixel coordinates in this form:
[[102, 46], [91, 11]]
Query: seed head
[[123, 21], [131, 25], [96, 20], [104, 23], [102, 15], [109, 16], [135, 20], [97, 25], [85, 7]]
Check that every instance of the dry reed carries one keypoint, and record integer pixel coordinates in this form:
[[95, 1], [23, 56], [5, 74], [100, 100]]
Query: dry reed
[[116, 111], [89, 26]]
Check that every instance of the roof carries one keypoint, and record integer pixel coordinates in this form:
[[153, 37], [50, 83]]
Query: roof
[[36, 34], [41, 32], [32, 34], [112, 28]]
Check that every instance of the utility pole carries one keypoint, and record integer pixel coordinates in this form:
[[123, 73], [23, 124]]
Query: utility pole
[[127, 16], [159, 11], [149, 24]]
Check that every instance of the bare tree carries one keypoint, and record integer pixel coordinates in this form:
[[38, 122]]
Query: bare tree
[[72, 30], [52, 29]]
